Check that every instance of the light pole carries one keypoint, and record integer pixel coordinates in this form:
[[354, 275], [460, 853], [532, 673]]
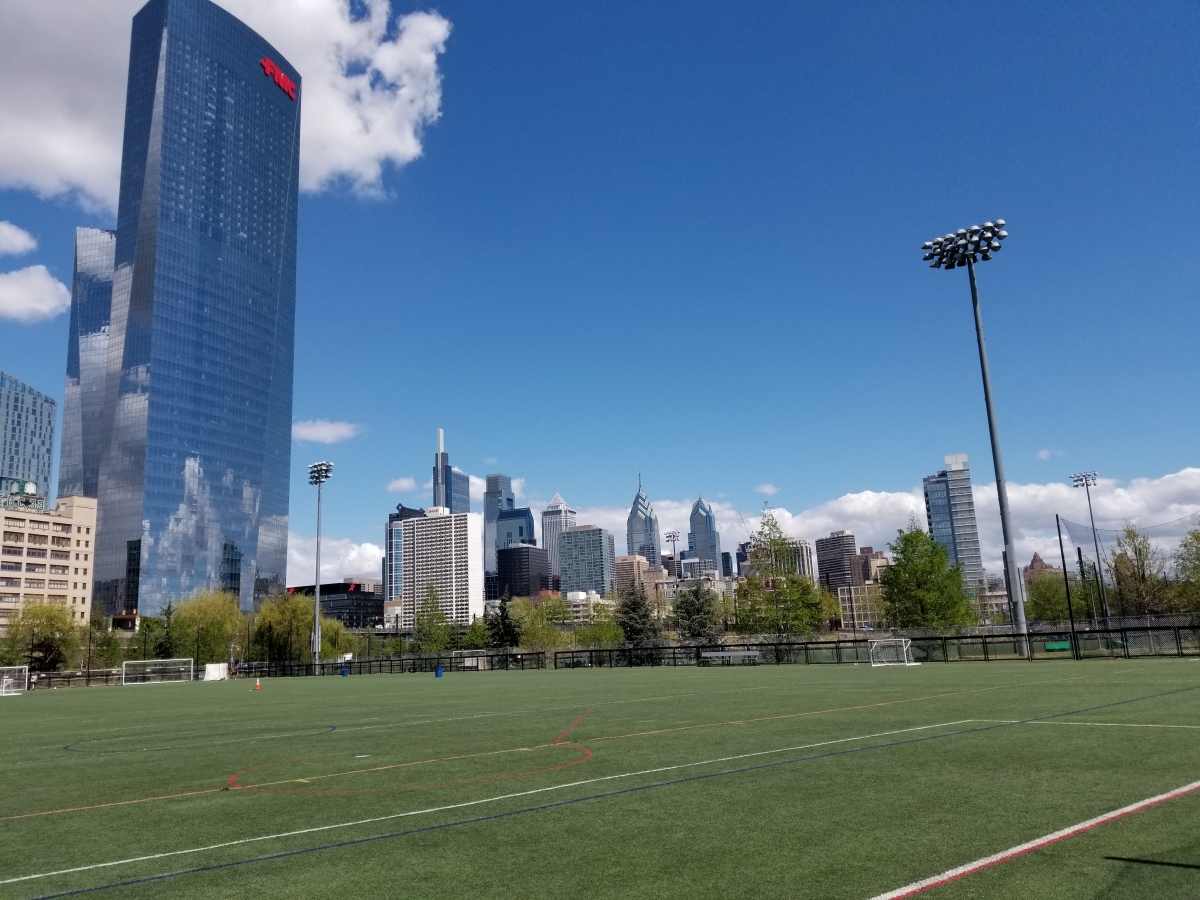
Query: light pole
[[318, 474], [966, 247], [1085, 480], [672, 537]]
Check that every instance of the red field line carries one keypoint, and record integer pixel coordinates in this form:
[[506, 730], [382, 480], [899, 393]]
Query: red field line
[[558, 740]]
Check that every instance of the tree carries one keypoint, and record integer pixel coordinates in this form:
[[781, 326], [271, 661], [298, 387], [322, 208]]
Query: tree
[[503, 630], [1187, 570], [432, 631], [696, 613], [920, 587], [1047, 598], [775, 598], [43, 636], [1138, 570], [476, 637], [164, 642], [107, 651], [633, 615], [538, 631], [283, 628], [208, 627], [602, 630]]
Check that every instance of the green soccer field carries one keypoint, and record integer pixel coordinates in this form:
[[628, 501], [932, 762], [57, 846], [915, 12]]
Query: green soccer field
[[790, 781]]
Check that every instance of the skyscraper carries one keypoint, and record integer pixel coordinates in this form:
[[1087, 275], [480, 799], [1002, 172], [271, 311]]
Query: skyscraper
[[442, 550], [393, 552], [498, 496], [179, 381], [28, 418], [556, 518], [587, 555], [704, 543], [451, 488], [642, 529], [950, 512], [836, 560], [514, 527], [522, 570]]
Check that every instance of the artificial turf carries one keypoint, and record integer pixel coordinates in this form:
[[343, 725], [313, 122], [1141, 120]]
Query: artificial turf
[[813, 781]]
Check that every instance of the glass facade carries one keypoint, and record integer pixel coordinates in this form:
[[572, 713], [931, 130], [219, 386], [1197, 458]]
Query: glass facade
[[514, 527], [184, 429], [497, 496], [950, 512], [704, 543], [556, 518], [27, 417], [641, 530]]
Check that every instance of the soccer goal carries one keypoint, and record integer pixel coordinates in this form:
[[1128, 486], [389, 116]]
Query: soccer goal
[[156, 671], [13, 680], [891, 652]]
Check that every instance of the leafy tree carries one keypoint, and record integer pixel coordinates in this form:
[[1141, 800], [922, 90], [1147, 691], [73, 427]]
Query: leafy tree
[[920, 587], [1047, 599], [1187, 570], [503, 630], [164, 642], [476, 637], [283, 629], [43, 636], [208, 627], [107, 651], [538, 632], [602, 630], [696, 613], [432, 631], [775, 598], [634, 617], [1138, 570]]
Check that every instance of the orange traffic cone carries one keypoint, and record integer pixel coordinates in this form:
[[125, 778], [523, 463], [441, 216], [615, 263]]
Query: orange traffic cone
[[257, 686]]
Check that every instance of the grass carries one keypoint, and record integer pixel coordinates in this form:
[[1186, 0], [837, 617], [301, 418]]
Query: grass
[[864, 780]]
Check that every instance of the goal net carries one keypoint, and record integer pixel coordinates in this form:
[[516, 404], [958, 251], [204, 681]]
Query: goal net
[[13, 680], [892, 652], [156, 671]]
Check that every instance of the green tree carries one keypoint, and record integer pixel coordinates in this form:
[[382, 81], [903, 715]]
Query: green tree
[[208, 627], [1138, 571], [602, 629], [476, 637], [43, 636], [538, 631], [164, 640], [1187, 571], [503, 630], [920, 587], [696, 613], [107, 650], [1047, 599], [283, 628], [635, 619], [432, 631]]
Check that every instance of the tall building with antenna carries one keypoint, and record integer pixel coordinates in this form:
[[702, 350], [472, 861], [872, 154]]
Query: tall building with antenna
[[451, 487], [642, 537]]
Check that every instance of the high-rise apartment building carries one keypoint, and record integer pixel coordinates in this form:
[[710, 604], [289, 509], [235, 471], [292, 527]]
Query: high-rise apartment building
[[950, 512], [587, 556], [556, 518], [451, 487], [629, 571], [179, 382], [393, 552], [704, 543], [443, 550], [28, 418], [836, 561], [497, 496], [641, 530]]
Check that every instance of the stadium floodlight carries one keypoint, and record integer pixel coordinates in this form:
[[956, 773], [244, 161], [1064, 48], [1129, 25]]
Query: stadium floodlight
[[966, 247], [891, 652], [13, 680], [1086, 480], [673, 538], [318, 474]]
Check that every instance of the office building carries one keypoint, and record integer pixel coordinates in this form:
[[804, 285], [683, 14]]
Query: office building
[[451, 487], [28, 418], [693, 569], [587, 557], [742, 558], [704, 543], [801, 560], [727, 565], [445, 550], [950, 511], [556, 518], [836, 560], [497, 496], [47, 557], [860, 605], [1038, 566], [513, 527], [641, 530], [869, 563], [179, 381], [672, 564], [356, 604], [523, 571], [630, 571], [393, 556]]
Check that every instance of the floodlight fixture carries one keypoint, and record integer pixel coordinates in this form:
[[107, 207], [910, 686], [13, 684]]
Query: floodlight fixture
[[967, 245], [1087, 480]]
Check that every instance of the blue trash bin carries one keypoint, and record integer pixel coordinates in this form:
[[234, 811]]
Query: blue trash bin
[[437, 673], [345, 673]]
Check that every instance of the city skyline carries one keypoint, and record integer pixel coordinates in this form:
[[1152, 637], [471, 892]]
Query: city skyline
[[528, 221]]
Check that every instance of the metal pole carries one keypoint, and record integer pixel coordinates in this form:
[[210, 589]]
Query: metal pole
[[316, 640], [1066, 584], [1096, 543], [1015, 594]]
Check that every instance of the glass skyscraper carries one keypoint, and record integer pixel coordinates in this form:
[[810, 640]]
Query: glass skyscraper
[[27, 417], [641, 529], [704, 542], [451, 488], [179, 384], [556, 518], [950, 511], [498, 496]]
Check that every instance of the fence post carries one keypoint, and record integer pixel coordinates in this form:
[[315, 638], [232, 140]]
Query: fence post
[[946, 649], [1178, 643]]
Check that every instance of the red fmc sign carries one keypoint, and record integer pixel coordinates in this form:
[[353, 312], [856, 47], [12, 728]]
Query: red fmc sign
[[285, 84]]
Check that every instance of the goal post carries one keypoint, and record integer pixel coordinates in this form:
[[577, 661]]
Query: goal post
[[156, 671], [13, 680], [891, 652]]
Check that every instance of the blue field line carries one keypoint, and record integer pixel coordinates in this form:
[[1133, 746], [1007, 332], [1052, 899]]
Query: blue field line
[[630, 790]]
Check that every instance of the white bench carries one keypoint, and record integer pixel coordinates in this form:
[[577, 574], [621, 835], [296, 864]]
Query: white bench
[[728, 657]]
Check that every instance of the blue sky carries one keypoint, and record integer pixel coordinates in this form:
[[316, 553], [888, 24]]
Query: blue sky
[[684, 239]]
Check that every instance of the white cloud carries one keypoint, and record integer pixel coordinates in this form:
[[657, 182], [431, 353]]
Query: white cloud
[[340, 558], [1047, 453], [63, 76], [323, 431], [768, 490], [32, 294], [14, 241], [518, 488], [402, 484], [489, 460], [478, 487]]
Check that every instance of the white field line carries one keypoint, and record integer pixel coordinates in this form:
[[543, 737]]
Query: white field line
[[925, 884], [1096, 724], [435, 809]]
